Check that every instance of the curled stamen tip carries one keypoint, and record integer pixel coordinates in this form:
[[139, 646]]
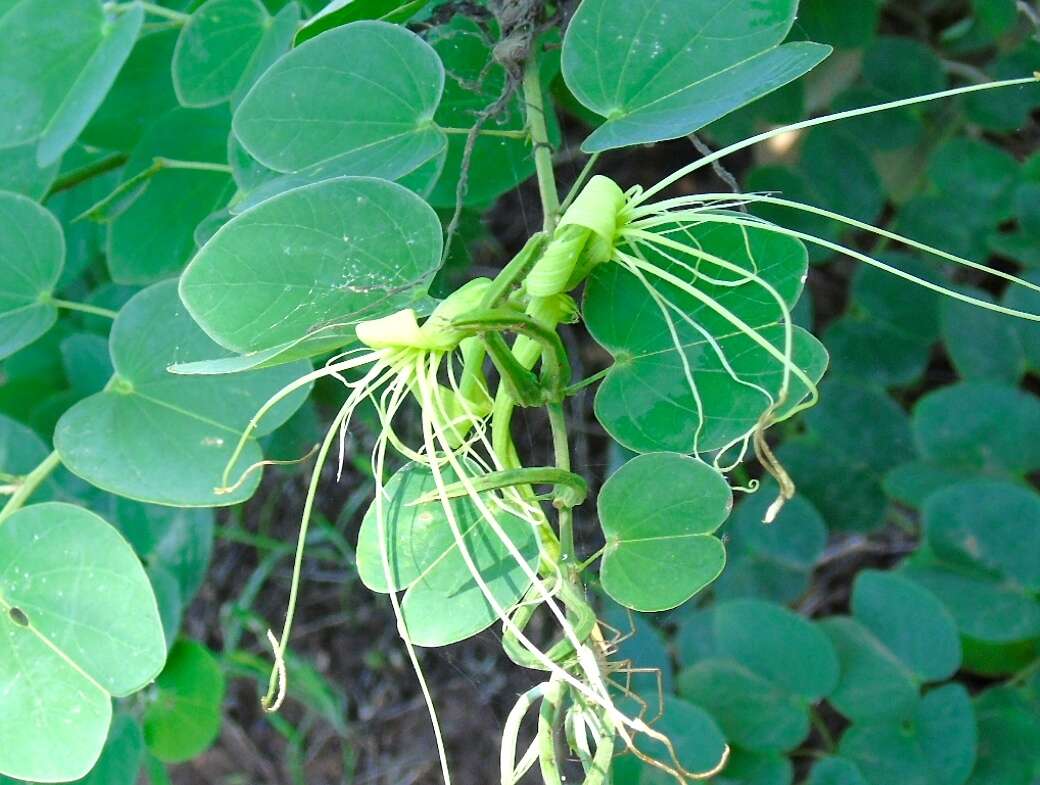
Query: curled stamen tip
[[703, 775], [281, 678], [774, 509]]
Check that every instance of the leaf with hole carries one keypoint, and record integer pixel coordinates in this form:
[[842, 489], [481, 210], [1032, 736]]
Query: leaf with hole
[[78, 625]]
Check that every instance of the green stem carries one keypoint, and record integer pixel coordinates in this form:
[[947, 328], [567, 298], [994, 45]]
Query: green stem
[[821, 728], [585, 564], [562, 457], [532, 85], [149, 8], [1023, 674], [521, 384], [29, 485], [88, 172], [514, 271], [503, 133], [579, 386], [572, 488], [202, 166], [556, 367], [69, 305], [548, 714], [572, 194], [139, 180]]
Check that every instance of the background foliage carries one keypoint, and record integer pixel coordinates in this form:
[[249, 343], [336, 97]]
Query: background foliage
[[886, 628]]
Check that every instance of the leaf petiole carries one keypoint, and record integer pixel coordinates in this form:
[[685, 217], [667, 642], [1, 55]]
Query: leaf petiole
[[503, 133], [95, 310], [29, 484]]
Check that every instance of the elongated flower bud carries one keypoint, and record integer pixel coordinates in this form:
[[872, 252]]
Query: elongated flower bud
[[584, 238]]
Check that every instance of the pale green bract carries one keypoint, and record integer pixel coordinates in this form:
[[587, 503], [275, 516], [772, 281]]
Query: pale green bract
[[78, 625]]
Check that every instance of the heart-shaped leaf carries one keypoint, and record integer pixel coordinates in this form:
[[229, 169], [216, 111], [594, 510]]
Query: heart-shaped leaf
[[647, 402], [78, 625], [57, 62], [314, 260], [658, 512], [32, 250], [185, 717], [873, 682], [442, 604], [674, 66], [751, 711], [981, 537], [161, 438], [216, 49], [979, 425], [935, 747], [356, 100], [779, 645]]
